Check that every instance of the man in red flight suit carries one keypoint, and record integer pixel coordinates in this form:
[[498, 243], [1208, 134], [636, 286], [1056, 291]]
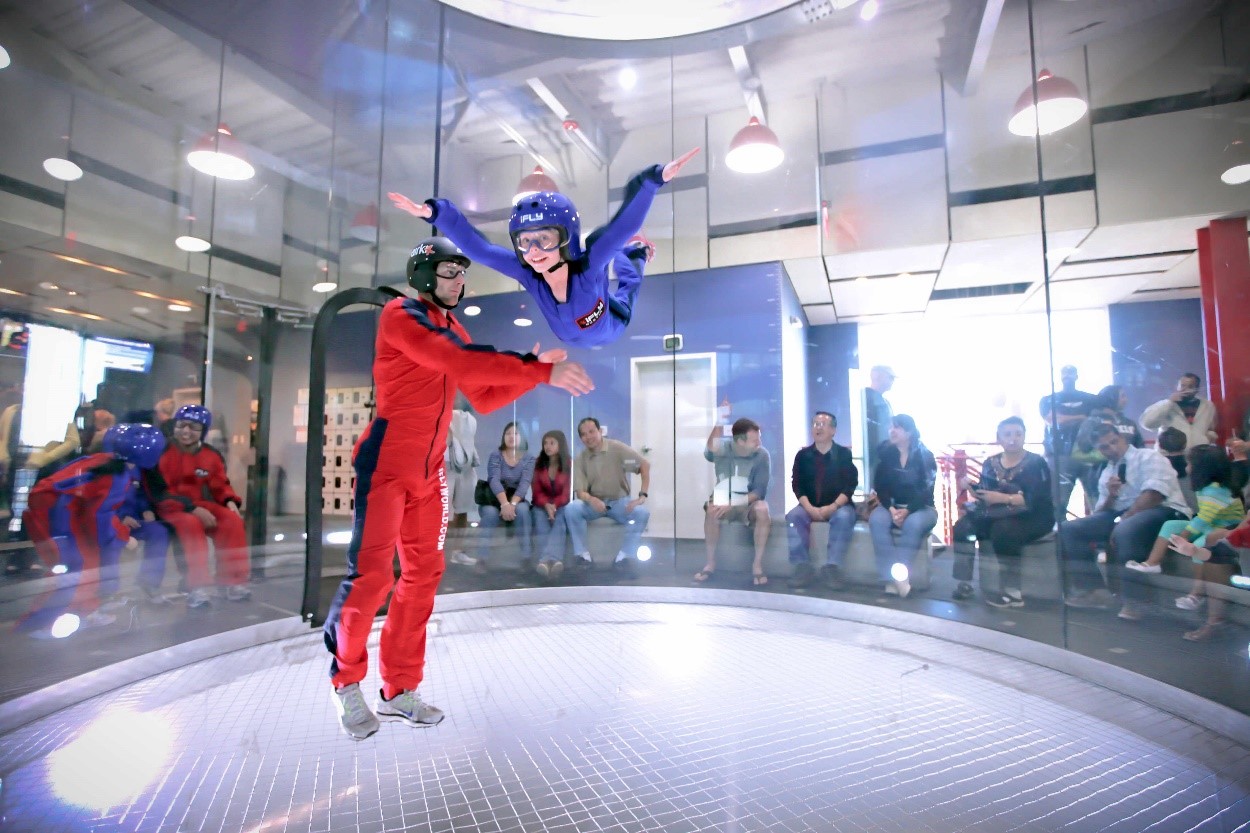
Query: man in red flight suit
[[422, 356], [200, 504]]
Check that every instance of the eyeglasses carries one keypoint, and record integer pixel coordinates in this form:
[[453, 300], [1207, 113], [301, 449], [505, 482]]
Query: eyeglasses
[[821, 423], [546, 239], [187, 425], [450, 271]]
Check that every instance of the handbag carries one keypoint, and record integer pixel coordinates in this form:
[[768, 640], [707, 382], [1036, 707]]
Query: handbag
[[483, 496]]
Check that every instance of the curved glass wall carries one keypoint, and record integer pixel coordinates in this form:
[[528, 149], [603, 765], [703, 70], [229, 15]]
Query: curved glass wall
[[917, 252]]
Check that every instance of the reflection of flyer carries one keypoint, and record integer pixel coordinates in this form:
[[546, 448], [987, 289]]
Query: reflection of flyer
[[301, 435], [301, 416], [301, 396]]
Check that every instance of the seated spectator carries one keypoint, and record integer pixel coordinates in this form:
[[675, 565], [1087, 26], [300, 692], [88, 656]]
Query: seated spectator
[[1109, 408], [603, 492], [461, 462], [550, 488], [1218, 561], [509, 471], [1171, 444], [1185, 411], [903, 513], [1139, 493], [200, 504], [102, 420], [138, 516], [741, 493], [1210, 473], [1014, 506], [824, 479]]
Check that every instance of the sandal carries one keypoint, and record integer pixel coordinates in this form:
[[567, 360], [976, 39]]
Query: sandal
[[1204, 633], [703, 575], [759, 579]]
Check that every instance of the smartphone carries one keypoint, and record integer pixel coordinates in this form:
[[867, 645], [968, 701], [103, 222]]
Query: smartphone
[[1122, 471]]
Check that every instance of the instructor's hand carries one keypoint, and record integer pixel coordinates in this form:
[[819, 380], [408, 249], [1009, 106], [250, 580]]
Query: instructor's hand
[[416, 209], [572, 377], [552, 356], [673, 168], [206, 517]]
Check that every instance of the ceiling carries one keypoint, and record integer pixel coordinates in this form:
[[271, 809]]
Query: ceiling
[[301, 86]]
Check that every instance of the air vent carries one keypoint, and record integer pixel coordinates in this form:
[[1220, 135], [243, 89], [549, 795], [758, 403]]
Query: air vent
[[980, 291]]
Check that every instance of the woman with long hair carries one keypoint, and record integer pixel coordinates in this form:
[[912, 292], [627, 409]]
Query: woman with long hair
[[903, 489], [551, 494], [509, 472]]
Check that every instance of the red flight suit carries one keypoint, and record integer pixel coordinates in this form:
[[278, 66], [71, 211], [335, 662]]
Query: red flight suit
[[198, 480]]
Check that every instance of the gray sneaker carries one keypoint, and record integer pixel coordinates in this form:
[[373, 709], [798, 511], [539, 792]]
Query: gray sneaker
[[199, 598], [354, 715], [1099, 598], [238, 593], [410, 708], [803, 575]]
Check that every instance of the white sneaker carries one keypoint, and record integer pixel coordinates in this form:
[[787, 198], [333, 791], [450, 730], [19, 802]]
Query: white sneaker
[[199, 598], [1143, 568], [238, 593], [114, 603], [97, 619], [554, 570], [543, 569], [410, 708], [1191, 602], [463, 558], [354, 715]]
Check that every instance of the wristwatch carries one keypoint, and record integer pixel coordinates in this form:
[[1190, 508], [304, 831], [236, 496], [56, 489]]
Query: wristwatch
[[642, 494]]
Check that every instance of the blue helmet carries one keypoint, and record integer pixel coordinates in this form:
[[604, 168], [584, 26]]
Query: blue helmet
[[548, 209], [195, 413], [135, 442]]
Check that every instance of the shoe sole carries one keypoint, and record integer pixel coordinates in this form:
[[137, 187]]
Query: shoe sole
[[355, 736]]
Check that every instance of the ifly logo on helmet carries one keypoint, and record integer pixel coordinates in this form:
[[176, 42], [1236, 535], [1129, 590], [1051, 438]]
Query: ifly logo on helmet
[[425, 250], [531, 218]]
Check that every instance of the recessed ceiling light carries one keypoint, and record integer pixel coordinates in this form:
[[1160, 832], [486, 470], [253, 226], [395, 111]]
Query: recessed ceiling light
[[48, 285], [627, 78], [78, 260], [140, 310], [325, 286], [62, 169], [75, 312], [7, 291], [522, 322], [869, 10], [179, 308], [191, 243], [472, 311], [4, 57], [219, 154]]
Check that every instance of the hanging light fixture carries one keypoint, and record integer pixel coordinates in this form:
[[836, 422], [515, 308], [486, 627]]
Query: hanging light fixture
[[191, 243], [221, 155], [533, 182], [1059, 104], [754, 149], [365, 224], [1236, 163]]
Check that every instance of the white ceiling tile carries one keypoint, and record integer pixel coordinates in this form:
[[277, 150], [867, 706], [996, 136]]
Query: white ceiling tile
[[818, 314], [879, 296], [807, 275], [1116, 266], [1090, 293], [927, 258]]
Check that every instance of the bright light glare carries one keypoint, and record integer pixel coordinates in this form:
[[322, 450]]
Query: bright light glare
[[342, 536], [4, 57], [62, 169], [472, 311], [59, 570], [111, 761], [191, 243], [678, 650], [1236, 175], [178, 308], [325, 286], [1240, 581], [627, 78], [279, 537], [65, 625], [869, 10], [220, 165], [644, 553], [522, 322], [1052, 115], [754, 158], [898, 572]]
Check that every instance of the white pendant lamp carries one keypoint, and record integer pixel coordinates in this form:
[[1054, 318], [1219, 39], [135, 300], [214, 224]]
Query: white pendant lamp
[[754, 149], [1059, 104], [221, 155], [1236, 163]]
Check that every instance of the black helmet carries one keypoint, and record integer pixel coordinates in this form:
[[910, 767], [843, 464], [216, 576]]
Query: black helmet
[[425, 258]]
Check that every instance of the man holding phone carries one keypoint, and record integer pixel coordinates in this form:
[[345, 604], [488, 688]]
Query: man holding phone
[[1139, 492], [1186, 411]]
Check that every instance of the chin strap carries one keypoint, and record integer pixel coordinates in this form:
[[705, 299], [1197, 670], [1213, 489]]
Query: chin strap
[[557, 266]]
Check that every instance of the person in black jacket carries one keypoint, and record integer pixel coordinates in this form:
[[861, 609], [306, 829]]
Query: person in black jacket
[[903, 487], [824, 481], [1014, 506]]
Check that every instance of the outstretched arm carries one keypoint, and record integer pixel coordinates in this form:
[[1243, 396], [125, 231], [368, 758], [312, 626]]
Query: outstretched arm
[[457, 228]]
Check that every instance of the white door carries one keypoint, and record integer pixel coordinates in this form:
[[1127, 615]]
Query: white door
[[674, 407]]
